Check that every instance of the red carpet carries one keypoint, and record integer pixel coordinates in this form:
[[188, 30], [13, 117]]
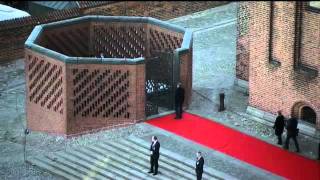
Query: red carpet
[[241, 146]]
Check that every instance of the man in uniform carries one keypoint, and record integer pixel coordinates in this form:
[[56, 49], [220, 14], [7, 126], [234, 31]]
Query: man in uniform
[[154, 155], [199, 166]]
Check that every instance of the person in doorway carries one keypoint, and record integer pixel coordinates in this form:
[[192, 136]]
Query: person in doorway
[[154, 155], [199, 165], [292, 132], [279, 127], [179, 99]]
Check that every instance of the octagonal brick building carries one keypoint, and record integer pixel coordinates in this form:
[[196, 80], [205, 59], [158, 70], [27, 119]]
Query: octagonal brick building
[[71, 89]]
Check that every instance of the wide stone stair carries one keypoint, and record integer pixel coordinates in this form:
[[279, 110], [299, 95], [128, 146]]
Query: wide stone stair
[[121, 159]]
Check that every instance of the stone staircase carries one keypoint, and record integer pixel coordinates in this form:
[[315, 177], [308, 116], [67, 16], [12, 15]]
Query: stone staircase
[[122, 159]]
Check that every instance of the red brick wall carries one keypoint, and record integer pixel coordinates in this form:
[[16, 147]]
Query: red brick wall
[[186, 76], [273, 88], [310, 39], [112, 96], [13, 33], [74, 99], [45, 93], [163, 10]]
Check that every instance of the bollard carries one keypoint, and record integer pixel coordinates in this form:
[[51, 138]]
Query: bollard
[[221, 107], [26, 132]]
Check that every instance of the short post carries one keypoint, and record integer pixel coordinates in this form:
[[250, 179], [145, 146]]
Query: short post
[[26, 132], [221, 107]]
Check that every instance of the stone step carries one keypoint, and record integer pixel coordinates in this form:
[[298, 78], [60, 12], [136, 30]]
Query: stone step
[[95, 155], [133, 158], [180, 159], [171, 172], [122, 159], [99, 169], [170, 161], [162, 164], [113, 166], [52, 169], [84, 173], [98, 153], [61, 167]]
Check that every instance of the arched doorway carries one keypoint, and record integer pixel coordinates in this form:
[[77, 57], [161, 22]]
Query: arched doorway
[[304, 112], [308, 115]]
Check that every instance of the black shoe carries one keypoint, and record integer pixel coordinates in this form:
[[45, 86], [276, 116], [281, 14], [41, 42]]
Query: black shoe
[[150, 172], [279, 143], [155, 174], [297, 151]]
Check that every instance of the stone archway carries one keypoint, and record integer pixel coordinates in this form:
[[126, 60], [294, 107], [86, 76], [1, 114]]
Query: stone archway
[[303, 111], [308, 115]]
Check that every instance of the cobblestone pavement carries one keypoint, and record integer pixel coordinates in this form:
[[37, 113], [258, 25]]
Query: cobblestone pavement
[[214, 71]]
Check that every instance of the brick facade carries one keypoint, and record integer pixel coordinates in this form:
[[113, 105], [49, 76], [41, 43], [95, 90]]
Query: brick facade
[[13, 33], [71, 92], [284, 59]]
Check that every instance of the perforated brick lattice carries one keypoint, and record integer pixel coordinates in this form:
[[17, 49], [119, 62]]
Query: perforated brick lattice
[[119, 41], [101, 93], [69, 41], [45, 83], [161, 41]]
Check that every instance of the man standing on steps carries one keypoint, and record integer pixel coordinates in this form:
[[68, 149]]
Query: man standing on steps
[[154, 155], [279, 127], [179, 99], [199, 166]]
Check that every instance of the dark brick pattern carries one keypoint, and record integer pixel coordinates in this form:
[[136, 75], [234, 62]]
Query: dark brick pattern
[[45, 80], [13, 33], [100, 93]]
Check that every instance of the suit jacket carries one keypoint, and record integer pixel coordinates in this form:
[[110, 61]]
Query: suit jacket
[[179, 96], [155, 148], [292, 126], [199, 165], [279, 125]]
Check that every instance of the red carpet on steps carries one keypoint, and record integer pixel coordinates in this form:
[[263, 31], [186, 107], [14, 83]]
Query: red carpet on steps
[[240, 146]]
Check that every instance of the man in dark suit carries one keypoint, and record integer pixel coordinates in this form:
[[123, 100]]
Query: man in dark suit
[[279, 126], [199, 166], [179, 99], [292, 132], [154, 155]]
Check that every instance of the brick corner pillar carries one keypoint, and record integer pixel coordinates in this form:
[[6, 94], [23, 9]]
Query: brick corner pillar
[[44, 103], [140, 93], [186, 75]]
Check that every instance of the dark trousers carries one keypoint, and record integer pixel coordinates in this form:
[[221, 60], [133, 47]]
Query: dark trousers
[[294, 137], [154, 163], [279, 139], [199, 175], [178, 108], [319, 152]]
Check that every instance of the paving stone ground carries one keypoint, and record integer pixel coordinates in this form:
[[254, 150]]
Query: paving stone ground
[[213, 72]]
